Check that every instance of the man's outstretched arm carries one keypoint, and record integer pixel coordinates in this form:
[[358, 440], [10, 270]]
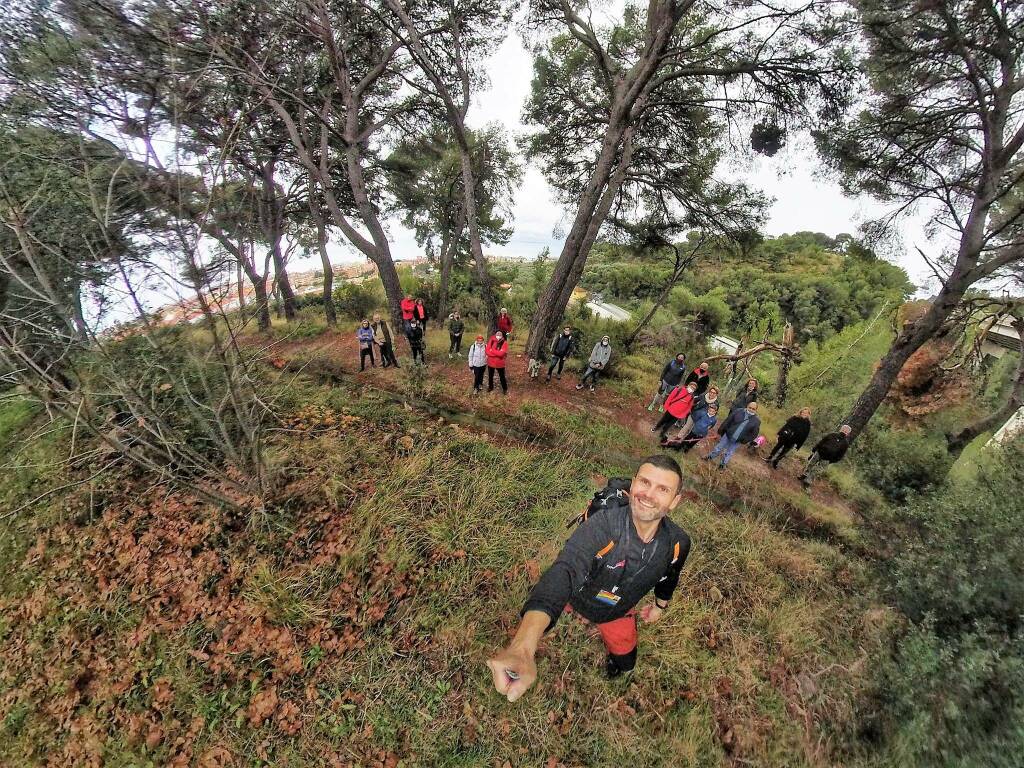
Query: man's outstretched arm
[[545, 604]]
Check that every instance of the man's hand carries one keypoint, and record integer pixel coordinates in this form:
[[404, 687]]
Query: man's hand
[[514, 671], [650, 613]]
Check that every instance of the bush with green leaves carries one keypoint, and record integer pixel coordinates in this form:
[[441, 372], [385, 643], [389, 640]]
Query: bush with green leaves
[[952, 693], [901, 463], [358, 300]]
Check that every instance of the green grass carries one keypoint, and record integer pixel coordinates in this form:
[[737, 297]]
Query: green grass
[[369, 597], [15, 413], [965, 468]]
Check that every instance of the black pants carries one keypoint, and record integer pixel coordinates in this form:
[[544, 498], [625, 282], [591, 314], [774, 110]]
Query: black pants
[[689, 442], [626, 662], [366, 352], [417, 349], [387, 355], [456, 343], [665, 423], [501, 377], [478, 377], [556, 360], [781, 448], [592, 374]]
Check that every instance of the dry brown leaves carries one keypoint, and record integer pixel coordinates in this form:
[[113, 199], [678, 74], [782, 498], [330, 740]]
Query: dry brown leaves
[[176, 563]]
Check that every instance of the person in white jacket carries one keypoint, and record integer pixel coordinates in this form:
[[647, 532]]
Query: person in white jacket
[[477, 358], [598, 362]]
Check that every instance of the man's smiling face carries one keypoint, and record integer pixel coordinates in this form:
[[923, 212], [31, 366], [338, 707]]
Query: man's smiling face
[[653, 493]]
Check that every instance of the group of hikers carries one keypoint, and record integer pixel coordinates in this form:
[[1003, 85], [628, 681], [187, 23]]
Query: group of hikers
[[483, 357], [688, 402]]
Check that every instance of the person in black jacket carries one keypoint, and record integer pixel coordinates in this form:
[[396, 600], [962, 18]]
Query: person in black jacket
[[618, 554], [561, 347], [701, 377], [455, 329], [829, 450], [416, 341], [739, 428], [671, 375], [792, 435], [746, 397]]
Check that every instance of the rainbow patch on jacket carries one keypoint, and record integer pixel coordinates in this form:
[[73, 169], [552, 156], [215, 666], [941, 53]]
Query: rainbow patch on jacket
[[608, 598]]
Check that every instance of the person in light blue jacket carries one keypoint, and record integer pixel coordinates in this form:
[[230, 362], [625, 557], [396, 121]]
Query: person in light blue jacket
[[364, 335], [703, 422], [476, 356]]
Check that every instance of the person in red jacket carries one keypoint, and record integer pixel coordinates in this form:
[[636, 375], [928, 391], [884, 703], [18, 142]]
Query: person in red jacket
[[407, 307], [497, 350], [677, 407], [420, 313], [505, 322]]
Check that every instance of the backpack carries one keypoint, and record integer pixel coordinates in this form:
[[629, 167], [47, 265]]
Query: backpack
[[614, 490]]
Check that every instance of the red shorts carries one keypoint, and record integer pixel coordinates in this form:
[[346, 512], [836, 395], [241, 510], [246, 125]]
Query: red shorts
[[619, 635]]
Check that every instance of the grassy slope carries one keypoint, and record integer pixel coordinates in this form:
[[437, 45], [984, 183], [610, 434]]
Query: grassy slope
[[349, 625]]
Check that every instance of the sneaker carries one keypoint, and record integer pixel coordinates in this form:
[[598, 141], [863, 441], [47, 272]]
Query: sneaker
[[579, 386], [449, 355], [611, 668]]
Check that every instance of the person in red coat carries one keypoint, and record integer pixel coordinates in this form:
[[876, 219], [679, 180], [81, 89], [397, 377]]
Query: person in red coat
[[407, 307], [497, 350], [420, 312], [677, 408], [505, 322]]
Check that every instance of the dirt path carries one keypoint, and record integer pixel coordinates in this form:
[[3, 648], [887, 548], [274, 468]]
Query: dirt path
[[626, 412]]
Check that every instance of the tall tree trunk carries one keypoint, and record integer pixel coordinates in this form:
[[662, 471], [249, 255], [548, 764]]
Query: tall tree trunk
[[273, 226], [241, 288], [957, 441], [595, 204], [483, 276], [262, 300], [448, 250], [377, 249], [782, 381], [78, 316], [284, 286], [330, 313]]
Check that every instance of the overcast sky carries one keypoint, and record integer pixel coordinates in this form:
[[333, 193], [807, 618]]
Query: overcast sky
[[803, 201]]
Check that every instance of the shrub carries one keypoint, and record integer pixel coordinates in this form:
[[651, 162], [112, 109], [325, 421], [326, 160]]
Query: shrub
[[358, 300], [900, 464], [952, 693]]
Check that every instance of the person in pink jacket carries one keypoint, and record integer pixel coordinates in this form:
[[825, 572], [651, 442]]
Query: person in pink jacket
[[497, 351]]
